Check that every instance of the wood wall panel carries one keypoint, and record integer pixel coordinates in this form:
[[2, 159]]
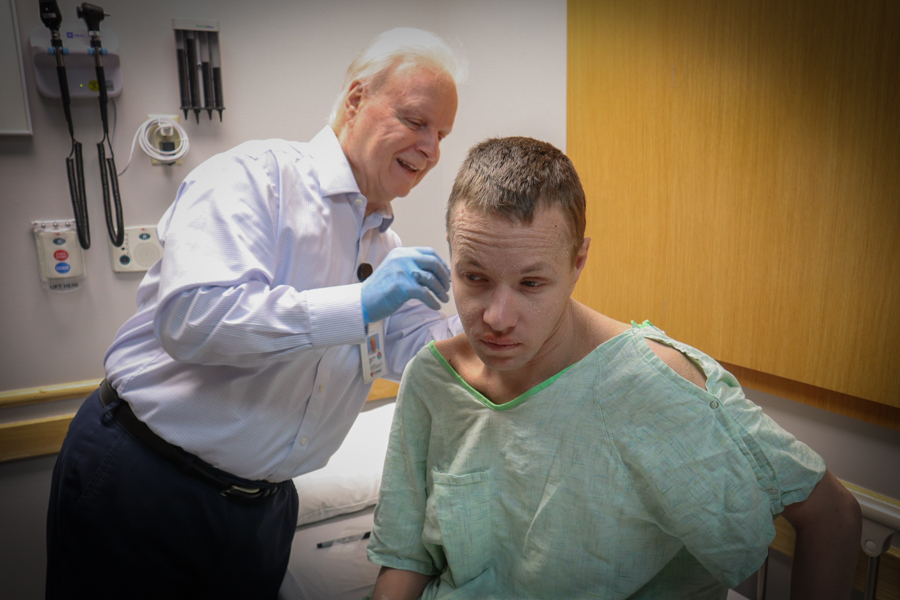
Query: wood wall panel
[[38, 437], [883, 415], [49, 393], [742, 166]]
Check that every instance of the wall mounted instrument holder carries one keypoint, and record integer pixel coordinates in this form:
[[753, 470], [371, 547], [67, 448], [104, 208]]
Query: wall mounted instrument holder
[[199, 66], [68, 47], [79, 60]]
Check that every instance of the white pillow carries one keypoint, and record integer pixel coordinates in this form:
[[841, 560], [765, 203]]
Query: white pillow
[[352, 478]]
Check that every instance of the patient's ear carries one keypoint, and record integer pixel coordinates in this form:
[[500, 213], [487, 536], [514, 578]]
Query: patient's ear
[[581, 257]]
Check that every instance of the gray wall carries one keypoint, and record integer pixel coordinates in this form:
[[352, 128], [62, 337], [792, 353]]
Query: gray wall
[[283, 62]]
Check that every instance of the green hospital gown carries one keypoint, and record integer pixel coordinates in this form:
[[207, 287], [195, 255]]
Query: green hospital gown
[[616, 478]]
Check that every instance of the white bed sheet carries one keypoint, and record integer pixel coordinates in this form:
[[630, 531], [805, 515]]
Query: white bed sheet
[[341, 572], [350, 482], [352, 478]]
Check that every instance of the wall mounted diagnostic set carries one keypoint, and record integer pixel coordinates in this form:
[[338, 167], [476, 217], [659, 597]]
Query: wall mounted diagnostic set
[[73, 63], [92, 15]]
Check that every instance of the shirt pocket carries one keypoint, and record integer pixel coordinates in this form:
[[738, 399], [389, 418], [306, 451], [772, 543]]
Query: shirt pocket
[[463, 507]]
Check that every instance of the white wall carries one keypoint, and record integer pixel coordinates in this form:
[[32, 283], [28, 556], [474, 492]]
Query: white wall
[[283, 63]]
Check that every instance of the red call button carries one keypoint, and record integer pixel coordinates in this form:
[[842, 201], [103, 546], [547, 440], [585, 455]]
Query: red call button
[[60, 255]]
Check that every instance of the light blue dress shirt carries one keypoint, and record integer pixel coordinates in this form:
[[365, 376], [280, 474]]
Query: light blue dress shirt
[[244, 349], [614, 479]]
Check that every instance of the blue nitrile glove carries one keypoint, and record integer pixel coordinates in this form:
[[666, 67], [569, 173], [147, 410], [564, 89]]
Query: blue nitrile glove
[[405, 274]]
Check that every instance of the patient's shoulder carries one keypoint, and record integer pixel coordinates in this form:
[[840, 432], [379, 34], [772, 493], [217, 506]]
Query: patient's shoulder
[[455, 350], [593, 328], [679, 363]]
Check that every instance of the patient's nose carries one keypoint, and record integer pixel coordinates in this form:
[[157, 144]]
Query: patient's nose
[[500, 313]]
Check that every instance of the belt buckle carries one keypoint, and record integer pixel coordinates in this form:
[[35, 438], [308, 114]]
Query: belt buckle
[[242, 492]]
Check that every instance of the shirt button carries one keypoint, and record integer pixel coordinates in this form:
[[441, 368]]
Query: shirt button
[[321, 387], [303, 441], [359, 200], [714, 404]]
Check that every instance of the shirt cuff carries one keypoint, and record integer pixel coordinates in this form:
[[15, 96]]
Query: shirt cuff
[[335, 315]]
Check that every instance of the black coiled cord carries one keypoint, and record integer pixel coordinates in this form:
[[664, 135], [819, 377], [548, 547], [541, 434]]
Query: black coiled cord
[[75, 170], [110, 183]]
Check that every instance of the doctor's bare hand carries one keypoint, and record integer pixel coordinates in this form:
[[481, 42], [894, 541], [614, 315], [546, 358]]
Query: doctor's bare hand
[[405, 274]]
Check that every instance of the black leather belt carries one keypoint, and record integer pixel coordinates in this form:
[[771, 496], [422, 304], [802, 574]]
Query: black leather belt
[[227, 484]]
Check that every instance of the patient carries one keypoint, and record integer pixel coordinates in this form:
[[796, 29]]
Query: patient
[[553, 452]]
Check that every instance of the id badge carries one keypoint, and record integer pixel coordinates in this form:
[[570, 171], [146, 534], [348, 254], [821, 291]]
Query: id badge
[[372, 352]]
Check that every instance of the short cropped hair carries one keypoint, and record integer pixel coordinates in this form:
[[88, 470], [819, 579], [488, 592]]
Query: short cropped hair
[[392, 49], [514, 177]]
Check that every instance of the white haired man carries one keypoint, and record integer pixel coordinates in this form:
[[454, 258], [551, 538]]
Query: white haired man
[[244, 364]]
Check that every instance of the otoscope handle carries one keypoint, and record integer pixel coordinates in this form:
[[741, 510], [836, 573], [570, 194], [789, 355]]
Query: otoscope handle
[[101, 81], [59, 51], [64, 93]]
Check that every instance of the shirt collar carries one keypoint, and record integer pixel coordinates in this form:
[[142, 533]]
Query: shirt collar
[[387, 217], [338, 178]]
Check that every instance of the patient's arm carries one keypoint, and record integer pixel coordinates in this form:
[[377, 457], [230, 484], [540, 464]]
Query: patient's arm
[[397, 584], [828, 525]]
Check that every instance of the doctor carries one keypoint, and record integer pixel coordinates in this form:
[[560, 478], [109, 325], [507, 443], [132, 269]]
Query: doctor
[[246, 362]]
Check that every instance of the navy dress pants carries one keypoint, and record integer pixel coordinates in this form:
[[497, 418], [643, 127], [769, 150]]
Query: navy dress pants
[[124, 523]]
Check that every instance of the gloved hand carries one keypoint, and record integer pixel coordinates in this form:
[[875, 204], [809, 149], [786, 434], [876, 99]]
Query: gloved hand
[[405, 273]]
